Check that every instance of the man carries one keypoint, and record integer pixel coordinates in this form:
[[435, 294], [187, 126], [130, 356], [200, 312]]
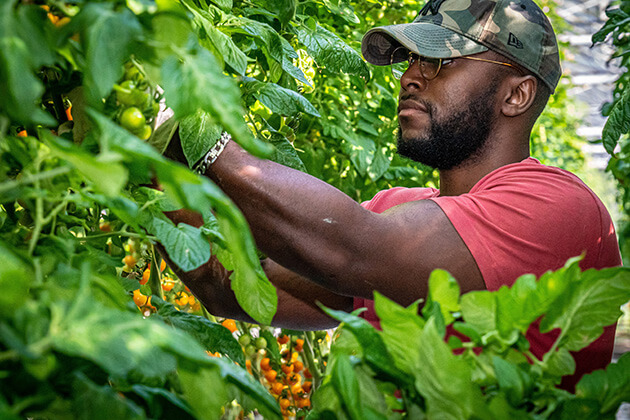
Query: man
[[468, 111]]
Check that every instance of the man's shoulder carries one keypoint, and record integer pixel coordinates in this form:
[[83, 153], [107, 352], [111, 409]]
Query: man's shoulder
[[530, 173], [392, 197]]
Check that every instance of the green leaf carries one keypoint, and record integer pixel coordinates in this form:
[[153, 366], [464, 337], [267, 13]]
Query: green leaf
[[196, 81], [185, 244], [278, 48], [444, 290], [15, 280], [342, 8], [212, 336], [93, 402], [279, 100], [105, 171], [513, 382], [20, 90], [285, 154], [588, 304], [204, 390], [108, 43], [198, 133], [618, 122], [445, 380], [401, 330], [332, 52], [479, 310], [347, 386], [374, 348], [609, 387], [228, 50], [559, 363]]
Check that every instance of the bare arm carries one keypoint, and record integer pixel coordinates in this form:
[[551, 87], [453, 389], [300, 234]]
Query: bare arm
[[320, 233], [297, 297]]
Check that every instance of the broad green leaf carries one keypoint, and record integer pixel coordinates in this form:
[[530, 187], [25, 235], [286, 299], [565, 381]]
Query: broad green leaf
[[204, 390], [609, 387], [196, 81], [444, 380], [401, 330], [559, 363], [332, 52], [618, 122], [374, 349], [380, 165], [279, 100], [347, 386], [224, 4], [15, 280], [285, 154], [105, 171], [108, 42], [20, 90], [588, 305], [360, 149], [163, 135], [228, 49], [444, 290], [479, 310], [185, 244], [38, 39], [512, 380], [278, 48], [342, 8], [94, 402], [212, 336], [198, 133]]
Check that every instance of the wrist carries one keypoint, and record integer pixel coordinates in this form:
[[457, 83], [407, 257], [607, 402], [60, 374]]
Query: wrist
[[213, 154]]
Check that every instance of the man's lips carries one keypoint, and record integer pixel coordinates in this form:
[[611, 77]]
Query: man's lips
[[410, 106]]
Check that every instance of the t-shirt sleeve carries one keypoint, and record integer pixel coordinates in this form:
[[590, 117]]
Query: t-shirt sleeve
[[531, 219]]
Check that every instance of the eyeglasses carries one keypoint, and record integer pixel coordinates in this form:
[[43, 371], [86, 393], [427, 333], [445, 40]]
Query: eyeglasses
[[402, 59]]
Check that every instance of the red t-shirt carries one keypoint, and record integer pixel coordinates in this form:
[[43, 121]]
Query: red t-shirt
[[525, 218]]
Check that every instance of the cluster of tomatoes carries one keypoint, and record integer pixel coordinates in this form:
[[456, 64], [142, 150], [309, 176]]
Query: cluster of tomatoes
[[137, 101], [282, 369], [137, 265]]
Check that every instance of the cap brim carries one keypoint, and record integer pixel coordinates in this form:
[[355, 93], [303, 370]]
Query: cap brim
[[422, 38]]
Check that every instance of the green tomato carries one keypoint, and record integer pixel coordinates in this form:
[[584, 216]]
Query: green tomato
[[144, 133], [250, 350], [127, 93], [132, 72], [132, 119], [245, 340], [261, 343]]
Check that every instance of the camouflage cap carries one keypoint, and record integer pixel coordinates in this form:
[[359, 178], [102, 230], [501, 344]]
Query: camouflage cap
[[517, 29]]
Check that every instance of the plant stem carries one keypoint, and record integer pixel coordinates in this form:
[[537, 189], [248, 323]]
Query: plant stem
[[310, 359], [9, 185]]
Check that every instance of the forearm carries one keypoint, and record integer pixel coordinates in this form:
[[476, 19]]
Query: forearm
[[297, 297], [301, 222]]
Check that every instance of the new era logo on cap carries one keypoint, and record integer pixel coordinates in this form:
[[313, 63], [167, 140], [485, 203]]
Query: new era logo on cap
[[515, 42]]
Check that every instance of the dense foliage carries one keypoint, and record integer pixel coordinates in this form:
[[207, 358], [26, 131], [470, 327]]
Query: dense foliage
[[617, 129], [91, 324]]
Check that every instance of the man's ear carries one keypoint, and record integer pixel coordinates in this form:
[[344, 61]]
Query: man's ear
[[520, 96]]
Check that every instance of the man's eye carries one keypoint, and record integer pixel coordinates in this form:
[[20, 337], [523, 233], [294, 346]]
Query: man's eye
[[446, 61]]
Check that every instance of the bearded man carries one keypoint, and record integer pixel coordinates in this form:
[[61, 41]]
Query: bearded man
[[477, 74]]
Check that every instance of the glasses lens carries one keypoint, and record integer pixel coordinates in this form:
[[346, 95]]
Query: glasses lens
[[430, 67], [398, 62]]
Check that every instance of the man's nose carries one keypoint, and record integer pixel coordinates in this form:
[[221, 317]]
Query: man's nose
[[412, 79]]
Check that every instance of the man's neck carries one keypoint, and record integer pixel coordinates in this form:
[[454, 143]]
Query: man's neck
[[461, 179]]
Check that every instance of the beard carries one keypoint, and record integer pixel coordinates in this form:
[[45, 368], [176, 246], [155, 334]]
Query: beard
[[454, 140]]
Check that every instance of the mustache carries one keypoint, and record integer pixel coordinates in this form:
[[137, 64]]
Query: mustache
[[409, 100]]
